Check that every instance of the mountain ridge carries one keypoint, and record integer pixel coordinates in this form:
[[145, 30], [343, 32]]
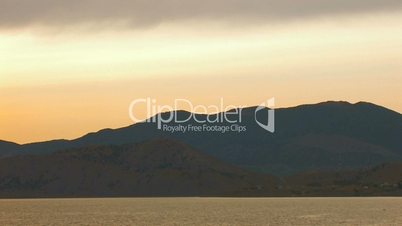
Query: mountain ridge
[[359, 125], [151, 168], [168, 168], [330, 102]]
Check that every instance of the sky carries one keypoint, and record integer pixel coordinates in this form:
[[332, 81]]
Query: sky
[[69, 67]]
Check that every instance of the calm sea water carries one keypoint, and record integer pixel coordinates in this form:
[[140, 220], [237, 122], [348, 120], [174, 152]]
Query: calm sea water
[[202, 211]]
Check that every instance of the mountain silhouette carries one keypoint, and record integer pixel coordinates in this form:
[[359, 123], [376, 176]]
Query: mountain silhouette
[[8, 148], [151, 168], [381, 180], [325, 136], [167, 168]]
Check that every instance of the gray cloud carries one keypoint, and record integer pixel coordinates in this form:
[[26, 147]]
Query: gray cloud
[[21, 13]]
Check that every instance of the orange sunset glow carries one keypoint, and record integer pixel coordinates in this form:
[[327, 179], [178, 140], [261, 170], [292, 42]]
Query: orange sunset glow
[[61, 82]]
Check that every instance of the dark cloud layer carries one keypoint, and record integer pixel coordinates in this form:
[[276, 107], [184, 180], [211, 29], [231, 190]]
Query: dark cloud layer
[[20, 13]]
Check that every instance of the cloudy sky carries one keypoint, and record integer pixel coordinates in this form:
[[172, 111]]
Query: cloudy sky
[[68, 67], [143, 13]]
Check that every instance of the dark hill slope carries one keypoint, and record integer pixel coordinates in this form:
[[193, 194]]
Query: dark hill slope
[[324, 136], [382, 180], [152, 168], [8, 148]]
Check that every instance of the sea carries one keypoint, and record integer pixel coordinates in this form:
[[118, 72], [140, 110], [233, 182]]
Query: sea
[[202, 211]]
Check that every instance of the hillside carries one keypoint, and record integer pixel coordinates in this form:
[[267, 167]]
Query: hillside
[[8, 148], [325, 136], [382, 180], [152, 168]]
